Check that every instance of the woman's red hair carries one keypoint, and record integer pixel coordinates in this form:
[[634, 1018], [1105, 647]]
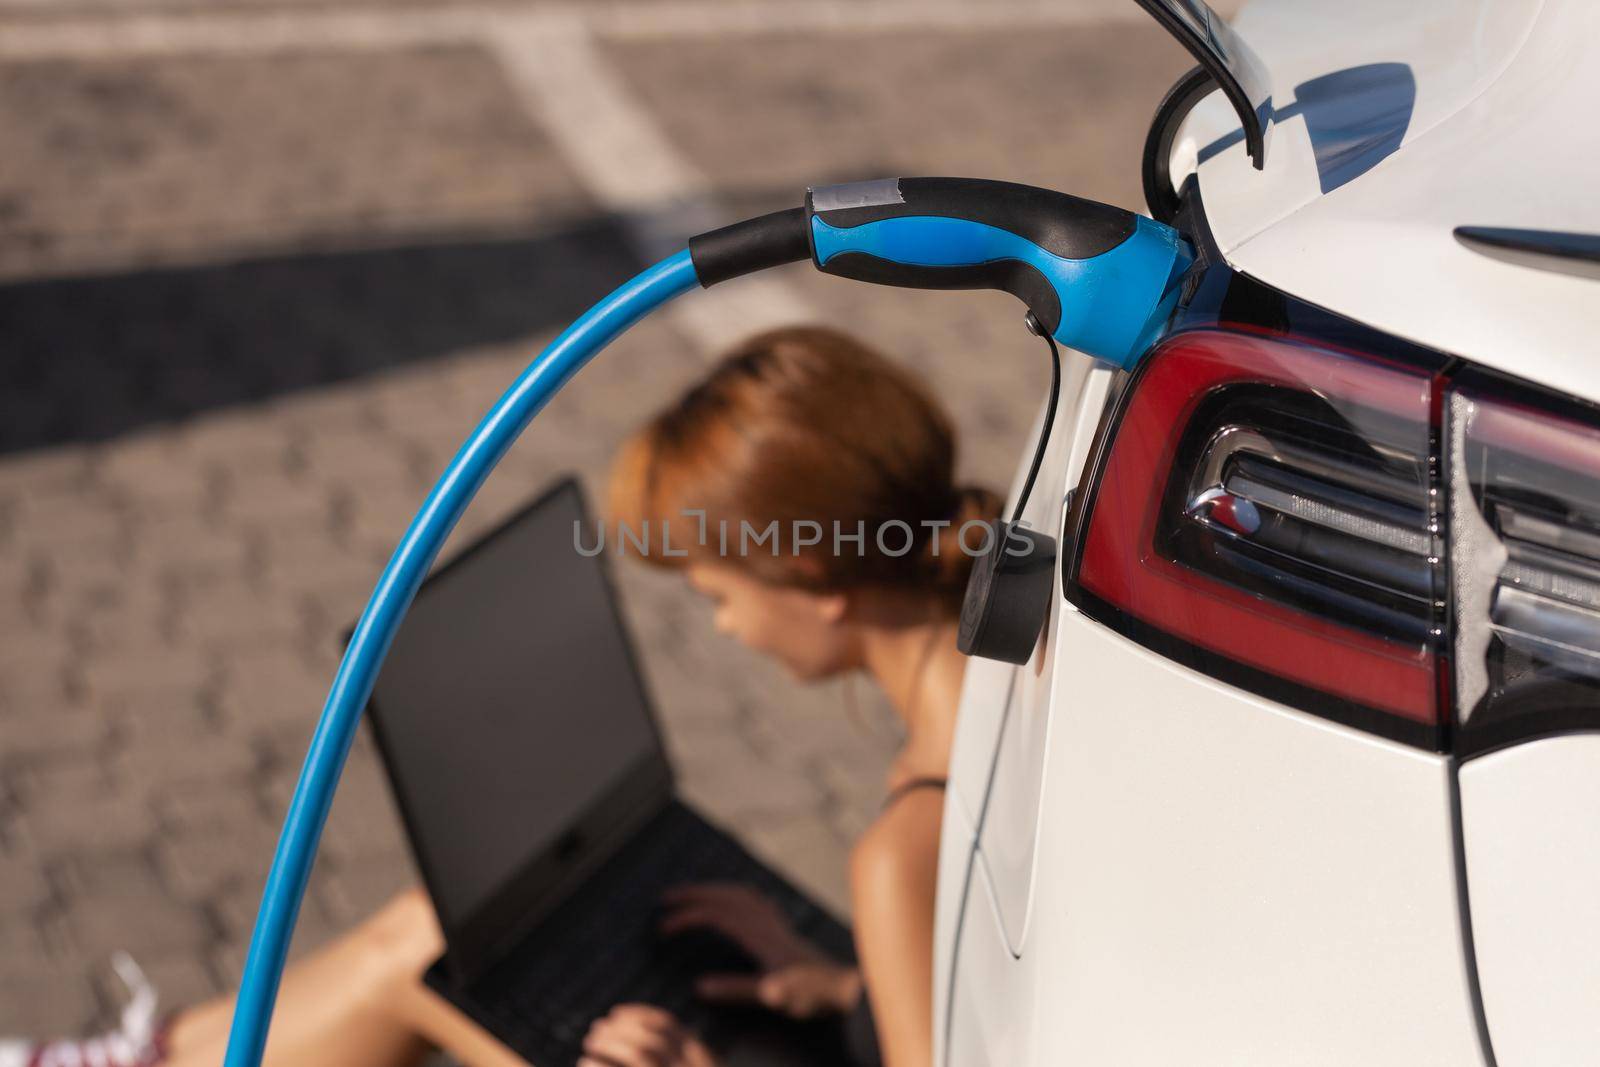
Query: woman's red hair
[[805, 424]]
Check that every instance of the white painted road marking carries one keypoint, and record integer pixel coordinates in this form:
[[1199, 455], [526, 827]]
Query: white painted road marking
[[632, 169]]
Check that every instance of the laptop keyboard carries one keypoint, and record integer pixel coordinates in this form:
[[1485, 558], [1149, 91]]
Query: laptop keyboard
[[601, 948]]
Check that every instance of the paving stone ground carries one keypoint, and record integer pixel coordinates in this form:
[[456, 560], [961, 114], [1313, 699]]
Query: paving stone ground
[[249, 307]]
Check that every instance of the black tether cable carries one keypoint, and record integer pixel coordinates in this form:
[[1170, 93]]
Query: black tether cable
[[1049, 414]]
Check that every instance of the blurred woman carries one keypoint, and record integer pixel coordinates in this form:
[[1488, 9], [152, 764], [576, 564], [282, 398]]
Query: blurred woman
[[803, 427], [814, 431]]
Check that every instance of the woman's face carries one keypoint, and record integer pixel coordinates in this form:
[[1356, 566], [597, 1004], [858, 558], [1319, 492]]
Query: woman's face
[[802, 630]]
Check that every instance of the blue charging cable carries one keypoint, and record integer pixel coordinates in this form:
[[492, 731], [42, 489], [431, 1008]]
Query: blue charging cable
[[1094, 277], [352, 686]]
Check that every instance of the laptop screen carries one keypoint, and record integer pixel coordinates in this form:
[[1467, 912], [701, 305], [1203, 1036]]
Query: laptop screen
[[509, 709]]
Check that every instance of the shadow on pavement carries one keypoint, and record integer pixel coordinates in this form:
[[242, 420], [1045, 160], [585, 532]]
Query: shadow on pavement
[[90, 358]]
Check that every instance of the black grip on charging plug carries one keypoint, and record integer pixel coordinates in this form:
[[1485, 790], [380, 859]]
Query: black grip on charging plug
[[754, 244]]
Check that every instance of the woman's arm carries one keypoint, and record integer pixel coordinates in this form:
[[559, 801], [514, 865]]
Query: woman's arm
[[893, 870]]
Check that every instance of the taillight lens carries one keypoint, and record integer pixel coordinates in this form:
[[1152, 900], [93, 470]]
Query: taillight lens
[[1267, 503], [1525, 564]]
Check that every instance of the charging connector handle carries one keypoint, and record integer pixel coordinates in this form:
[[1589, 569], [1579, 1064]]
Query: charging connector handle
[[1097, 278]]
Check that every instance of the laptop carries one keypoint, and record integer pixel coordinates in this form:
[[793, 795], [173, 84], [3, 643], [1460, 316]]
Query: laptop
[[527, 764]]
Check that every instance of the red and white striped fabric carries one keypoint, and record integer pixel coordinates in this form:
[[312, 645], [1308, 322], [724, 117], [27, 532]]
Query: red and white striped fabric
[[139, 1040]]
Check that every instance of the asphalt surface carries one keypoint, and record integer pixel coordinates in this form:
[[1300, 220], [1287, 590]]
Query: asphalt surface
[[261, 268]]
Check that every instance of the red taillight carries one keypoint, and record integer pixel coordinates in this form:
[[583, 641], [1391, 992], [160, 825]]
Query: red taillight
[[1268, 501], [1525, 564]]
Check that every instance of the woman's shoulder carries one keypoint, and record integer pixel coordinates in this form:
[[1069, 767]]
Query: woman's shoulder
[[901, 846]]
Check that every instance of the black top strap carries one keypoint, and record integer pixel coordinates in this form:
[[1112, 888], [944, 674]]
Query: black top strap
[[860, 1033], [912, 784]]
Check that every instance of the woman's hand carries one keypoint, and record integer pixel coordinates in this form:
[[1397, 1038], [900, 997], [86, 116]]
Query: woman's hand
[[797, 978], [638, 1035]]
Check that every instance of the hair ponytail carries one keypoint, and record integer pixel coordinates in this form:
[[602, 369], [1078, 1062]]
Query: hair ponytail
[[949, 554]]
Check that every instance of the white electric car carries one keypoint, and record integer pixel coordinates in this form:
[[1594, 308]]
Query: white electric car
[[1305, 768]]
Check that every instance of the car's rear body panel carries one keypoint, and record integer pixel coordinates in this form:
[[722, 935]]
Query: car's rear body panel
[[1220, 881], [1397, 124], [1532, 847]]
